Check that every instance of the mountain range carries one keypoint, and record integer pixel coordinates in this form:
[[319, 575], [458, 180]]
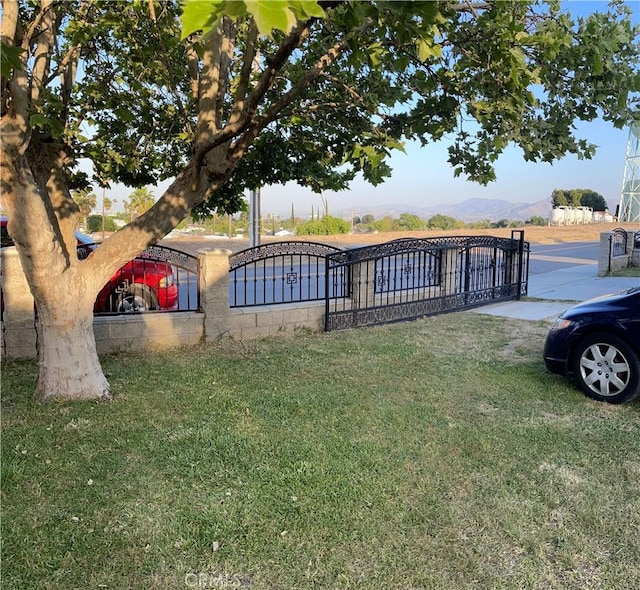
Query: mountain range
[[476, 209]]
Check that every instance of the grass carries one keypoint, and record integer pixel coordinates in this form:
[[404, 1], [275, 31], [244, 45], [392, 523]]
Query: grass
[[631, 271], [434, 454]]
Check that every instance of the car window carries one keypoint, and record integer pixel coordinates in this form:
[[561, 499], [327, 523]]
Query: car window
[[5, 238]]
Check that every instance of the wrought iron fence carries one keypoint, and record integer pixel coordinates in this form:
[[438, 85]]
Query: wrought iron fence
[[160, 279], [409, 278], [408, 268], [399, 280], [281, 272], [618, 242]]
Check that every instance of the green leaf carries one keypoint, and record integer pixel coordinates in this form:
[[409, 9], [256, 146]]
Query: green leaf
[[9, 59], [428, 48], [304, 9], [200, 15], [374, 51], [38, 120], [271, 15]]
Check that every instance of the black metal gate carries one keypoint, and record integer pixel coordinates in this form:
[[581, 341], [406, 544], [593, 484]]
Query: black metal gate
[[410, 278], [281, 272]]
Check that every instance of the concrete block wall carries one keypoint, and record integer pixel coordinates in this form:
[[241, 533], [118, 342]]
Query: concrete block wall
[[607, 263], [18, 325], [150, 330], [270, 320], [216, 319]]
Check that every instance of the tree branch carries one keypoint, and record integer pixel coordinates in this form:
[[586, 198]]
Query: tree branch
[[472, 7], [348, 88], [286, 99], [226, 56], [10, 30], [70, 65], [205, 142], [193, 70], [275, 64], [208, 90], [245, 73], [44, 48]]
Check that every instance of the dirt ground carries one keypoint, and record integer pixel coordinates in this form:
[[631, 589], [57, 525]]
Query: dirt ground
[[532, 234], [535, 234]]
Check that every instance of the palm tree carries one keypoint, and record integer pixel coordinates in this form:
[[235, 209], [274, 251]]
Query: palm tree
[[139, 201], [86, 201]]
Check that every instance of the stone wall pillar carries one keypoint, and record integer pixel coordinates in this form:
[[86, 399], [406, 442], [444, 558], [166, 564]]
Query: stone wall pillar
[[363, 277], [19, 336], [448, 272], [606, 262], [604, 253], [214, 293]]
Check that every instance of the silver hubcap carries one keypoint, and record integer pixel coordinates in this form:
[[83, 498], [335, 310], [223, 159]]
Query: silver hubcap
[[604, 369], [135, 303]]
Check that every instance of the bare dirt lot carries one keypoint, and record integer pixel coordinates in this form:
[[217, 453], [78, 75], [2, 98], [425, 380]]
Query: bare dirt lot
[[533, 234]]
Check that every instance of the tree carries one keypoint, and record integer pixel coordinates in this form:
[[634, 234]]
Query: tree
[[96, 223], [367, 219], [222, 97], [559, 198], [383, 225], [578, 197], [140, 200], [86, 201], [594, 200], [440, 221], [537, 220], [409, 222], [325, 226]]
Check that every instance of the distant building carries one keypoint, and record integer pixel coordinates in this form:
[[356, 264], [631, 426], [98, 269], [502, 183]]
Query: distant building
[[603, 217], [564, 215]]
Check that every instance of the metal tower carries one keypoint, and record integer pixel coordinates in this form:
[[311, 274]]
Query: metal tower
[[629, 207]]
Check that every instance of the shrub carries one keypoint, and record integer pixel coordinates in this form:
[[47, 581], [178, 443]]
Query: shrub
[[94, 224], [327, 226]]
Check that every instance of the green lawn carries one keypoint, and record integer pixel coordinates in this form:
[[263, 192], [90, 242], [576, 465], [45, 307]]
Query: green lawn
[[631, 271], [435, 454]]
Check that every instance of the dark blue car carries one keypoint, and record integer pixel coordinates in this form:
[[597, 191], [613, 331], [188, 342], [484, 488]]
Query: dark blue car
[[598, 342]]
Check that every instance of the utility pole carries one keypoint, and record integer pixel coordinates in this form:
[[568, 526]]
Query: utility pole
[[254, 218], [103, 195]]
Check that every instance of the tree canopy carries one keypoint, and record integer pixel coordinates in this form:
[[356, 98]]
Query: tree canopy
[[140, 200], [224, 96], [578, 197]]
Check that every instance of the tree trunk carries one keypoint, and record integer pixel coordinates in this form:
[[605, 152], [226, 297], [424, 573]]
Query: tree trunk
[[67, 355]]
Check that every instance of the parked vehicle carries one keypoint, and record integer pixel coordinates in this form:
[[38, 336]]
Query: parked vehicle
[[142, 284], [598, 343]]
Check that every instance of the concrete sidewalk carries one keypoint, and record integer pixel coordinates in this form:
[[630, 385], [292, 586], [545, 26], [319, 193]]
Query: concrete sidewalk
[[559, 289]]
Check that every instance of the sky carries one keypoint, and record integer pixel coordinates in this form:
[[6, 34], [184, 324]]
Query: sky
[[422, 177]]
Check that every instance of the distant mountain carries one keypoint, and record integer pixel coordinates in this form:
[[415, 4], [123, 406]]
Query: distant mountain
[[494, 210], [476, 209]]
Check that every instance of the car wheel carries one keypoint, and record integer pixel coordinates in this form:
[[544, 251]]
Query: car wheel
[[607, 369], [138, 298]]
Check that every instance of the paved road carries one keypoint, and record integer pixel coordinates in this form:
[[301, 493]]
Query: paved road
[[544, 258], [549, 257]]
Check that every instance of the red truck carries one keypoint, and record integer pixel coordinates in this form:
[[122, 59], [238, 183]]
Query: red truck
[[141, 284]]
